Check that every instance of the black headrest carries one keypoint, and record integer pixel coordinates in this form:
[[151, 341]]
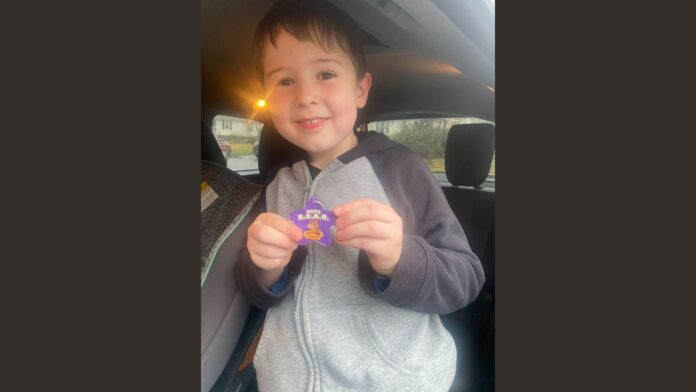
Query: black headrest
[[275, 152], [210, 150], [469, 153]]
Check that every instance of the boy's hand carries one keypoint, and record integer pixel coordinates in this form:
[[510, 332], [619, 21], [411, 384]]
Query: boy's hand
[[271, 239], [373, 227]]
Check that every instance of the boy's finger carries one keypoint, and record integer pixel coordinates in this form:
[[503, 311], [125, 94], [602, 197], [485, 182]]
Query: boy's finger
[[343, 208], [285, 226], [272, 262], [269, 235], [270, 251], [368, 229], [369, 245], [368, 212]]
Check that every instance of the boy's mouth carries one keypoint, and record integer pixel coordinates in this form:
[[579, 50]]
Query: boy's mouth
[[311, 123]]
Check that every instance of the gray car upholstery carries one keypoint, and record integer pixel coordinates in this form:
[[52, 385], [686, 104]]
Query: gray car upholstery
[[223, 231]]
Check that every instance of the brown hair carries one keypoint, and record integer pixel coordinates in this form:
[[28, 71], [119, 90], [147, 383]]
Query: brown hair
[[320, 22]]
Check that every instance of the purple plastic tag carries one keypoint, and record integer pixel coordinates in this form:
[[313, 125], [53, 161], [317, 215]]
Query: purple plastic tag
[[315, 222]]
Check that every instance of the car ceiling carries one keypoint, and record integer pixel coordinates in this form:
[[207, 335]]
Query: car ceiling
[[426, 57]]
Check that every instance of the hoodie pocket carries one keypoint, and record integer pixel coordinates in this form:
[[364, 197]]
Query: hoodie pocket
[[410, 342], [347, 358]]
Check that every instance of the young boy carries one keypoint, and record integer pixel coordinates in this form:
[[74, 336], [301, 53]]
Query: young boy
[[360, 313]]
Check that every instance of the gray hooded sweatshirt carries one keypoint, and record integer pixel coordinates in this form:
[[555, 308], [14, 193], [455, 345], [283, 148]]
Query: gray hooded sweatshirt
[[330, 328]]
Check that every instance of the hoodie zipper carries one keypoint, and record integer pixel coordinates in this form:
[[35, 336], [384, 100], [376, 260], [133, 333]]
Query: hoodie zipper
[[301, 297], [307, 189]]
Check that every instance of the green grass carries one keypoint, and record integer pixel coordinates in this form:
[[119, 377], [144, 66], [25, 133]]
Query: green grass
[[239, 149]]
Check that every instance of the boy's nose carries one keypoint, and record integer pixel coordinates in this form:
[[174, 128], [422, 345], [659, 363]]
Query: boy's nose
[[306, 95]]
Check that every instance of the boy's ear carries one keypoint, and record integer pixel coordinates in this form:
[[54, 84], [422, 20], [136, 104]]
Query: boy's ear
[[364, 85]]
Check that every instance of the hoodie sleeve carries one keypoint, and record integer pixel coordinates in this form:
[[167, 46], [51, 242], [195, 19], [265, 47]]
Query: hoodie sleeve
[[246, 273], [437, 272]]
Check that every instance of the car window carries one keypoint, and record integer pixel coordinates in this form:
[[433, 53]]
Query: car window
[[426, 137], [238, 139]]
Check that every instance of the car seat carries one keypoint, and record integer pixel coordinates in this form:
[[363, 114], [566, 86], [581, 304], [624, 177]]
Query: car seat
[[275, 152], [239, 373], [468, 155], [228, 206]]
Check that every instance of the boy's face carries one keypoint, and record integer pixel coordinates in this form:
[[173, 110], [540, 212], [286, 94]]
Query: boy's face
[[313, 96]]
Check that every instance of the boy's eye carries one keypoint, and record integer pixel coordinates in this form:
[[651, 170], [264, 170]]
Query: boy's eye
[[325, 75], [285, 82]]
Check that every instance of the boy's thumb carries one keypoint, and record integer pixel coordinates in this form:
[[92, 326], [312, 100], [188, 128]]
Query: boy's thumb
[[295, 233]]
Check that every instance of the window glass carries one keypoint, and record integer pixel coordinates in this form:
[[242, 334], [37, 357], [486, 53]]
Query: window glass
[[426, 137], [238, 139]]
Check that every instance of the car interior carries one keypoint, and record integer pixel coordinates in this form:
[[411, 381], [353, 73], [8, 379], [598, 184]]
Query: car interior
[[433, 68]]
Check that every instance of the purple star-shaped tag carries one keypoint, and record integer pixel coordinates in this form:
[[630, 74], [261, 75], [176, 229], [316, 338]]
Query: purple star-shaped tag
[[315, 222]]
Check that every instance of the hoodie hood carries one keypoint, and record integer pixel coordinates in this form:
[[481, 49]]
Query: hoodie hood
[[368, 143]]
